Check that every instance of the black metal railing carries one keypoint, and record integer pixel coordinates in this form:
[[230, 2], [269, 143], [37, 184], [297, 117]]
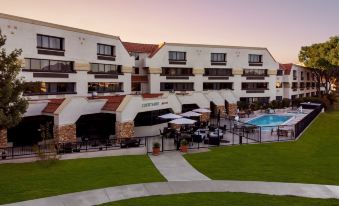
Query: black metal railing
[[300, 126]]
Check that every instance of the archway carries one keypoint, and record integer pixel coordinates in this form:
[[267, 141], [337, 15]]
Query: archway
[[188, 107], [27, 132], [96, 126]]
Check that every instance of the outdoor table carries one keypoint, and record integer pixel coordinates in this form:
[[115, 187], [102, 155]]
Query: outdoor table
[[202, 132]]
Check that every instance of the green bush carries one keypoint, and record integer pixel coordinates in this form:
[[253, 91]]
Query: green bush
[[286, 102], [156, 145], [242, 105]]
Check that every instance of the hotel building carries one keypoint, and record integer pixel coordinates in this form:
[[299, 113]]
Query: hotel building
[[93, 85]]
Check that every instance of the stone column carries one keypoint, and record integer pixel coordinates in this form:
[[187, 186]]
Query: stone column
[[124, 129], [65, 133], [205, 117], [3, 138], [232, 109], [220, 108]]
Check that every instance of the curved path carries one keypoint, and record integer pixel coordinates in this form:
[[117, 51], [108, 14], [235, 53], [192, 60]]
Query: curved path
[[111, 194], [183, 178]]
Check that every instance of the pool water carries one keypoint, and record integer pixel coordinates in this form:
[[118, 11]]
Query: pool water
[[269, 120]]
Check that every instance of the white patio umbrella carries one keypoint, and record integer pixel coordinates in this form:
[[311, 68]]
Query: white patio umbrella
[[183, 121], [201, 110], [190, 114], [170, 116]]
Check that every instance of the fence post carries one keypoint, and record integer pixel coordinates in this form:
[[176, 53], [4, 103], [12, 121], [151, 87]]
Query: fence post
[[162, 143]]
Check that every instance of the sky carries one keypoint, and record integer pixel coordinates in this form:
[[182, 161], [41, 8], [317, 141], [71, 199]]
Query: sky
[[283, 26]]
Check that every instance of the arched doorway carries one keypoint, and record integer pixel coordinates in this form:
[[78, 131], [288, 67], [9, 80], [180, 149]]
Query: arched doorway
[[150, 118], [27, 132], [96, 126], [188, 107]]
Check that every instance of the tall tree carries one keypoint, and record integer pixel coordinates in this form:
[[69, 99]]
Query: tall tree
[[12, 104], [323, 60]]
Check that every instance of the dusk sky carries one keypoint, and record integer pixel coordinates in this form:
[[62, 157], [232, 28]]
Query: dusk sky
[[283, 26]]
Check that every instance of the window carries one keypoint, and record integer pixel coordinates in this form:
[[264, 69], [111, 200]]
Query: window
[[50, 42], [43, 88], [174, 71], [176, 86], [105, 68], [218, 57], [136, 70], [294, 86], [105, 50], [254, 86], [177, 56], [255, 72], [308, 76], [136, 86], [250, 100], [102, 87], [217, 85], [47, 65], [217, 72], [254, 58], [278, 98], [136, 55], [280, 72], [302, 85], [294, 75]]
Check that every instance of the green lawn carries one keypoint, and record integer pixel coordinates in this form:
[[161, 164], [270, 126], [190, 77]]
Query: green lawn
[[312, 159], [30, 180], [217, 199]]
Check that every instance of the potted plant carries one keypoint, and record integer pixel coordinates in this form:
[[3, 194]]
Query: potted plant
[[184, 145], [156, 148]]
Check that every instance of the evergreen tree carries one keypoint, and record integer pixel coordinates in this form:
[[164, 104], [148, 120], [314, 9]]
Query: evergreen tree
[[12, 104]]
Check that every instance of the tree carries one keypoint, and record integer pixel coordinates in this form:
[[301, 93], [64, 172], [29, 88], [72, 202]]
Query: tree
[[323, 61], [12, 104]]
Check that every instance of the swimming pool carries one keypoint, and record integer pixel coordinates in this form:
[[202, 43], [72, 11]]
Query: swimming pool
[[269, 120]]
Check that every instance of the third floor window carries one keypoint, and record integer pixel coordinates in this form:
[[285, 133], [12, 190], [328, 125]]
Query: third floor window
[[177, 56], [254, 58], [50, 42], [218, 57], [105, 50]]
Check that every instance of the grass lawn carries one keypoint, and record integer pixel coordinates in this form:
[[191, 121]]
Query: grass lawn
[[312, 159], [217, 199], [30, 180]]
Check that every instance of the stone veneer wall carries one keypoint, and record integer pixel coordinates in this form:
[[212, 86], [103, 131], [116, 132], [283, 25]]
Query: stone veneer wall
[[220, 108], [65, 133], [3, 138], [124, 129], [205, 117], [232, 109], [175, 126]]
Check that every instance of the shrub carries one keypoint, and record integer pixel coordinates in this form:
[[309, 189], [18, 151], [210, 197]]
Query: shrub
[[242, 105], [183, 142], [286, 102], [156, 145]]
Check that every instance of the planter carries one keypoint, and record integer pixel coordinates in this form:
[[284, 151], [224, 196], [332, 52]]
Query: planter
[[184, 148], [156, 151]]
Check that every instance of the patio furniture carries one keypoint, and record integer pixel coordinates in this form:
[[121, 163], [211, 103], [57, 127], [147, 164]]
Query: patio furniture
[[197, 138]]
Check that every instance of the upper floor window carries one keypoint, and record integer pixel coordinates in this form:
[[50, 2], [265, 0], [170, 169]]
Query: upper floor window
[[45, 88], [280, 72], [172, 71], [105, 50], [255, 59], [255, 72], [105, 68], [50, 42], [218, 57], [308, 76], [254, 85], [48, 65], [294, 75], [177, 56], [217, 72]]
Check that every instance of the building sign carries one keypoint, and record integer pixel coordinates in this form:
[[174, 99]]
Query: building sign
[[153, 104]]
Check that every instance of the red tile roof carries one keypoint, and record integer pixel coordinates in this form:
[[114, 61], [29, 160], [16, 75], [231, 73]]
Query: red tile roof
[[146, 95], [140, 48], [286, 67], [52, 105], [113, 102], [137, 78]]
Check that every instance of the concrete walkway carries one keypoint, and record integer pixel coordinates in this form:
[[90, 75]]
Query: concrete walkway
[[174, 167], [111, 194]]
